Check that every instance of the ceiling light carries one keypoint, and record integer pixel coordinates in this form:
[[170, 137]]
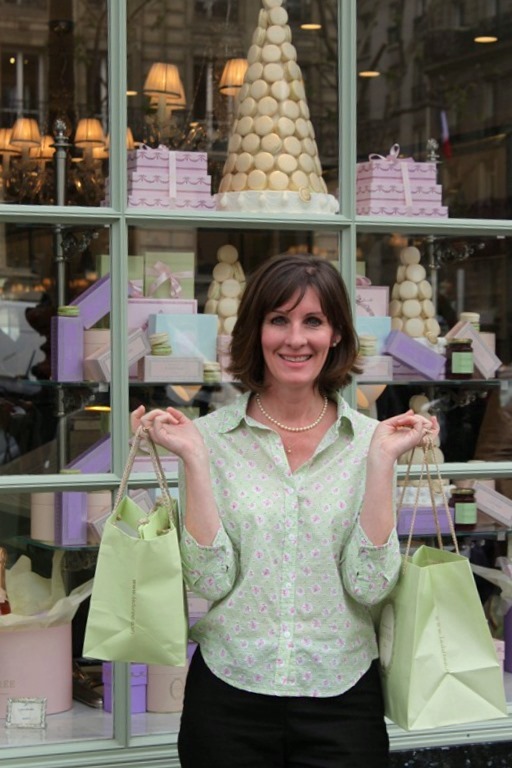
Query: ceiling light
[[311, 26], [369, 73], [485, 39]]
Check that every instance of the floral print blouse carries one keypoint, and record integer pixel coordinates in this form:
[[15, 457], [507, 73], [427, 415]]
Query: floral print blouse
[[291, 575]]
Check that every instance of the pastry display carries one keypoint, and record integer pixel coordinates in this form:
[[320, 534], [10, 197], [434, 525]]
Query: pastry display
[[411, 308], [225, 289], [273, 162]]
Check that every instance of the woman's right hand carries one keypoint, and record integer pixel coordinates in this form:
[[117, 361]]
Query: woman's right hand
[[172, 430]]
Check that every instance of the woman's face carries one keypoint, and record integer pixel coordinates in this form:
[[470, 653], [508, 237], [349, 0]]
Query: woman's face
[[295, 341]]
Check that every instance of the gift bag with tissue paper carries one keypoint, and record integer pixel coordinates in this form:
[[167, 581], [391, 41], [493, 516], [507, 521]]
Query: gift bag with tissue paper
[[438, 661], [137, 611]]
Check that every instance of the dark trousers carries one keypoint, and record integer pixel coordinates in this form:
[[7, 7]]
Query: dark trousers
[[225, 727]]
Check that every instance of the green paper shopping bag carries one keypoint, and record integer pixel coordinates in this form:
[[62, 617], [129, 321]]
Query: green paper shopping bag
[[137, 611], [438, 661]]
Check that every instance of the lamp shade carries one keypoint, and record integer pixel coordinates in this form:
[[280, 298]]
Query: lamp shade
[[89, 133], [130, 142], [25, 133], [232, 77], [102, 153], [163, 80], [45, 150], [6, 148]]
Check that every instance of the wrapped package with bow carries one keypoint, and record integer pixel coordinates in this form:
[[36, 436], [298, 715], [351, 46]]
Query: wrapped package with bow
[[39, 627], [398, 186], [169, 275]]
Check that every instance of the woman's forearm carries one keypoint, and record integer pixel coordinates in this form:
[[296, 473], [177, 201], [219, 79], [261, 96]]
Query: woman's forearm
[[201, 515], [378, 510]]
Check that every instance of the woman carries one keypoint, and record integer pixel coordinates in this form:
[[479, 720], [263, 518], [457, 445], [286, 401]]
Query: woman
[[287, 497]]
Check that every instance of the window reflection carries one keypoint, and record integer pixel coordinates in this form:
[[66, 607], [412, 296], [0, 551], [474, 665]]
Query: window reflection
[[437, 81], [61, 75]]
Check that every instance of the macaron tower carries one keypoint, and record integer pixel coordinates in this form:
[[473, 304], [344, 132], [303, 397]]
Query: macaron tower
[[272, 162], [411, 308], [226, 288]]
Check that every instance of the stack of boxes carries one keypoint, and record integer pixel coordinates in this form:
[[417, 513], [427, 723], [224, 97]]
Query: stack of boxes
[[160, 178], [398, 186]]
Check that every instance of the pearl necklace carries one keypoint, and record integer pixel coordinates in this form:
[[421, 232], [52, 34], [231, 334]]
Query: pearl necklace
[[292, 429]]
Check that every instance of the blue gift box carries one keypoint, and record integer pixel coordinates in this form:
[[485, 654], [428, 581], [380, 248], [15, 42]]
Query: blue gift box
[[380, 327], [189, 335]]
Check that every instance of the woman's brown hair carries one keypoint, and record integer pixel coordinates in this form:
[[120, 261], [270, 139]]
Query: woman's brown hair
[[272, 285]]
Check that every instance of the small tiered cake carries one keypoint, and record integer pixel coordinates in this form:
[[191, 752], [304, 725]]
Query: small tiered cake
[[411, 308], [273, 163], [226, 289], [159, 178]]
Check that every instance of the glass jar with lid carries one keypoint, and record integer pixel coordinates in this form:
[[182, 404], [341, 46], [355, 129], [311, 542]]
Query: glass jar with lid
[[459, 359], [463, 502]]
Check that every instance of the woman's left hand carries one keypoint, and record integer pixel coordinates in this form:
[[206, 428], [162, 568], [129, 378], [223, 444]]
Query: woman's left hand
[[399, 434]]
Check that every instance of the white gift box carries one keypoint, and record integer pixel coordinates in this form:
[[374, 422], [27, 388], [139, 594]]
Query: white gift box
[[493, 503], [98, 365]]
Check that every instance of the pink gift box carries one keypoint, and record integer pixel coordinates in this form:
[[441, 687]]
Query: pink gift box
[[376, 368], [407, 350], [424, 522], [67, 345], [396, 186], [424, 210], [70, 518], [382, 193], [199, 184], [402, 372], [138, 687], [145, 200], [372, 300], [139, 310], [166, 686], [37, 663], [171, 162], [189, 162], [203, 203], [151, 182], [147, 157], [395, 168], [169, 368], [94, 303]]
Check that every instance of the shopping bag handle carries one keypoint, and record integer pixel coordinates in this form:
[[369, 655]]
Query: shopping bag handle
[[428, 450], [142, 433]]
